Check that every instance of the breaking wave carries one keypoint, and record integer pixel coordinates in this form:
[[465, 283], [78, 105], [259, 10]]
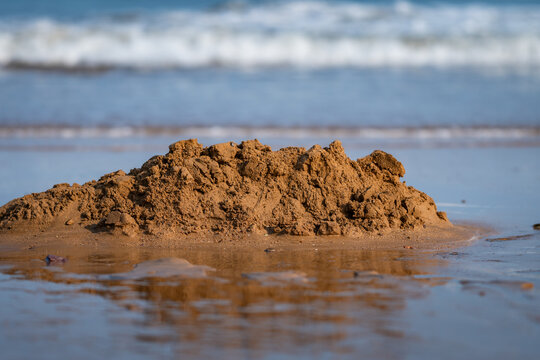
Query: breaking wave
[[303, 34], [390, 133]]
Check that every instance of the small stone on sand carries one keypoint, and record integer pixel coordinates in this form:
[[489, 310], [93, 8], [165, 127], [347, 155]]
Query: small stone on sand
[[54, 259]]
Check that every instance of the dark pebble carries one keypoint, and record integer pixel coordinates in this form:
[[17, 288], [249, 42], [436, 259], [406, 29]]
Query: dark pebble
[[53, 259]]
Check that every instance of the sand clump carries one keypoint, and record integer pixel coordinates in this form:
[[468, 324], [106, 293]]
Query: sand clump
[[234, 189]]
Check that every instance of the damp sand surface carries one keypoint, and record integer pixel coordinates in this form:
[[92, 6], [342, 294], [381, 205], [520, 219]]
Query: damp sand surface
[[271, 298]]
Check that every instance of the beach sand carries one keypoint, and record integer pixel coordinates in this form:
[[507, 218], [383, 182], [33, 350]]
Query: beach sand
[[231, 189], [60, 237]]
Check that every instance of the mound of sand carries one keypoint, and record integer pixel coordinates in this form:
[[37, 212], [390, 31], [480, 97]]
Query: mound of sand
[[233, 189]]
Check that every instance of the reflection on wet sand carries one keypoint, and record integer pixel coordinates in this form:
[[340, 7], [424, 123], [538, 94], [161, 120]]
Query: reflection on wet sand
[[254, 301]]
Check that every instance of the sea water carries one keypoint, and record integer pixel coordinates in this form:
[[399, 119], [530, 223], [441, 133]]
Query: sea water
[[451, 88], [269, 64]]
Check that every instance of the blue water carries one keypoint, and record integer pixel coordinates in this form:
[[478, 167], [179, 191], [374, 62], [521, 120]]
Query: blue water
[[336, 97], [71, 9], [391, 64]]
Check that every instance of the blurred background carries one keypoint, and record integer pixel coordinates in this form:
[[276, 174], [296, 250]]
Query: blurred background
[[88, 87], [120, 68]]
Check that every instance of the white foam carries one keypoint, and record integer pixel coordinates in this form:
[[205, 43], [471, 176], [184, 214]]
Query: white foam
[[440, 133], [299, 33]]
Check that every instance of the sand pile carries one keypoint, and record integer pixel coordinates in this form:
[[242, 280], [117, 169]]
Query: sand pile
[[232, 189]]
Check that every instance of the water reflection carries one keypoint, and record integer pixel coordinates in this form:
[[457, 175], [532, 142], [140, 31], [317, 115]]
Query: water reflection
[[246, 303]]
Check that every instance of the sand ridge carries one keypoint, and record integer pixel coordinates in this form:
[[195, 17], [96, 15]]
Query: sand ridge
[[232, 189]]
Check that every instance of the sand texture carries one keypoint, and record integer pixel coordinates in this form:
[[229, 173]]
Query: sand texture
[[232, 189]]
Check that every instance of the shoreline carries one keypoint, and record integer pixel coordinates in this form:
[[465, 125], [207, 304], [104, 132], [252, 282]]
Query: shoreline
[[431, 238]]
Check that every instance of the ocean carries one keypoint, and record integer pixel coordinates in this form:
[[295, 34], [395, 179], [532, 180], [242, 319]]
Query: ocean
[[451, 88], [147, 67]]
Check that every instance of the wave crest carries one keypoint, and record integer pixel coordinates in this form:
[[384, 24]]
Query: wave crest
[[389, 133], [298, 34]]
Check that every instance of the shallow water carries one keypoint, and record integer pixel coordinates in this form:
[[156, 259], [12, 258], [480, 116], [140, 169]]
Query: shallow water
[[343, 97], [283, 304]]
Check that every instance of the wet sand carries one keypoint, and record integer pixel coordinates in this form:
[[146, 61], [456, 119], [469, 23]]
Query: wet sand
[[246, 303], [62, 237], [326, 296]]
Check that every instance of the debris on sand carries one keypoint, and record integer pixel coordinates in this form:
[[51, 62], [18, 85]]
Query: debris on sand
[[55, 260]]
